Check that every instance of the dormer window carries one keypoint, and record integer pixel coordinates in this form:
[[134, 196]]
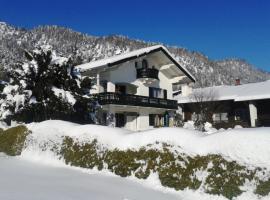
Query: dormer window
[[144, 64]]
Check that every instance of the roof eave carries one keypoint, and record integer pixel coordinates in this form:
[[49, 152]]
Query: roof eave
[[160, 48]]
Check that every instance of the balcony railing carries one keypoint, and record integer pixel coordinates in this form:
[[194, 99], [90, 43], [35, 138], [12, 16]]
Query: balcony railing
[[147, 73], [134, 100]]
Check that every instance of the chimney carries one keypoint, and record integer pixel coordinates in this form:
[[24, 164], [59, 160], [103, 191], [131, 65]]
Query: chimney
[[237, 81]]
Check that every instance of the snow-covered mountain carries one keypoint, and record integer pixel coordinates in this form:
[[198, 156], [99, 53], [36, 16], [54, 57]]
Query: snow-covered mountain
[[66, 41]]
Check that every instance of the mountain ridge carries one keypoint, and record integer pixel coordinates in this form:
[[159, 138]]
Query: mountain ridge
[[208, 72]]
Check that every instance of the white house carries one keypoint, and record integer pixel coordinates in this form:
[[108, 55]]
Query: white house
[[135, 89]]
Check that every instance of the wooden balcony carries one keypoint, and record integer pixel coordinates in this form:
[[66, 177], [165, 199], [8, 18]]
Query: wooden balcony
[[134, 100], [147, 73]]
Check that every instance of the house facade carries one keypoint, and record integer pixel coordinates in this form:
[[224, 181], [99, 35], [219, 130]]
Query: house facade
[[247, 105], [135, 89]]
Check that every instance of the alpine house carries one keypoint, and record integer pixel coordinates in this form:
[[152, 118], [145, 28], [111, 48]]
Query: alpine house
[[135, 89]]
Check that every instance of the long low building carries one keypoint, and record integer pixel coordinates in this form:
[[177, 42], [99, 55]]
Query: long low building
[[247, 104]]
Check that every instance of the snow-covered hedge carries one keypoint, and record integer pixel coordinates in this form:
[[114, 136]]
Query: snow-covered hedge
[[12, 140], [211, 173], [228, 163]]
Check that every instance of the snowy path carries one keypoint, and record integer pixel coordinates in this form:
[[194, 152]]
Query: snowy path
[[23, 180]]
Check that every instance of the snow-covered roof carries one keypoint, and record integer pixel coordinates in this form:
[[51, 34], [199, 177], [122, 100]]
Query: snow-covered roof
[[245, 92], [114, 60]]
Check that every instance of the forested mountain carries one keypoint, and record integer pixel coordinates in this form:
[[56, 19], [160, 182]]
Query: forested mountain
[[66, 42]]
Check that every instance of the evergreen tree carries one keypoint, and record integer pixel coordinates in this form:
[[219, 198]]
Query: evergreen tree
[[44, 87]]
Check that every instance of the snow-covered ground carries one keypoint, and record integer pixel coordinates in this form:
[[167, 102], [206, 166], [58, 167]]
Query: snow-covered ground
[[24, 180], [39, 174]]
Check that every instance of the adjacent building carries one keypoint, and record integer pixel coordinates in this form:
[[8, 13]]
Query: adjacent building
[[247, 105], [136, 89]]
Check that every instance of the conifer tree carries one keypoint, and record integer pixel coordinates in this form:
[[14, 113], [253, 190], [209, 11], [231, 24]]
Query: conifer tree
[[44, 87]]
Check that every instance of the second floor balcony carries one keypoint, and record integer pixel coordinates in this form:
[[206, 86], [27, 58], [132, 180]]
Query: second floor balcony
[[147, 73], [134, 100]]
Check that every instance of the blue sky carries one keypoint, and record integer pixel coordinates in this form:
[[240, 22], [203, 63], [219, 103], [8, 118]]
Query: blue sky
[[218, 28]]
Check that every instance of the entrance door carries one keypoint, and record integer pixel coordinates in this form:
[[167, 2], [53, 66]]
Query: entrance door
[[120, 89], [187, 116], [120, 120], [166, 119]]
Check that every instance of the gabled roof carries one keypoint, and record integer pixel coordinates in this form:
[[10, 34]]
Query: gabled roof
[[245, 92], [115, 60]]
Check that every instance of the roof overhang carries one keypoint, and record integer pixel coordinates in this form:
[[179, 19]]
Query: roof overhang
[[120, 59], [239, 93]]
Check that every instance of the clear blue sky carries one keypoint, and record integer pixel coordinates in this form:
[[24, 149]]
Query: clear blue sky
[[218, 28]]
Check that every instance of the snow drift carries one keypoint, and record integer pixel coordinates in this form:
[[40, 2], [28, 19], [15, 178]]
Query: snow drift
[[53, 183], [246, 146], [231, 164]]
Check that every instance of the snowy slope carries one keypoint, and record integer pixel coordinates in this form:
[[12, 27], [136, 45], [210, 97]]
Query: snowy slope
[[39, 168], [247, 146], [23, 180]]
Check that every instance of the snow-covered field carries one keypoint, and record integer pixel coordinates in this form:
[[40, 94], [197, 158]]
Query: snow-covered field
[[24, 180], [39, 174]]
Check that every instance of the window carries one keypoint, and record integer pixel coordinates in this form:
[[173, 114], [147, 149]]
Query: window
[[176, 87], [159, 120], [144, 64], [152, 120], [220, 117], [165, 94], [120, 120], [157, 93], [120, 89], [241, 114]]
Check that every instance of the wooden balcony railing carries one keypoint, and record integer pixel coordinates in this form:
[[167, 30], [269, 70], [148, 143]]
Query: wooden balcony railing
[[134, 100], [147, 73]]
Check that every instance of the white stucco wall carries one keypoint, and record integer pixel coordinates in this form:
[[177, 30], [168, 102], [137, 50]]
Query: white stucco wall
[[110, 86], [253, 114], [186, 89], [163, 83], [126, 73], [131, 123], [143, 120]]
